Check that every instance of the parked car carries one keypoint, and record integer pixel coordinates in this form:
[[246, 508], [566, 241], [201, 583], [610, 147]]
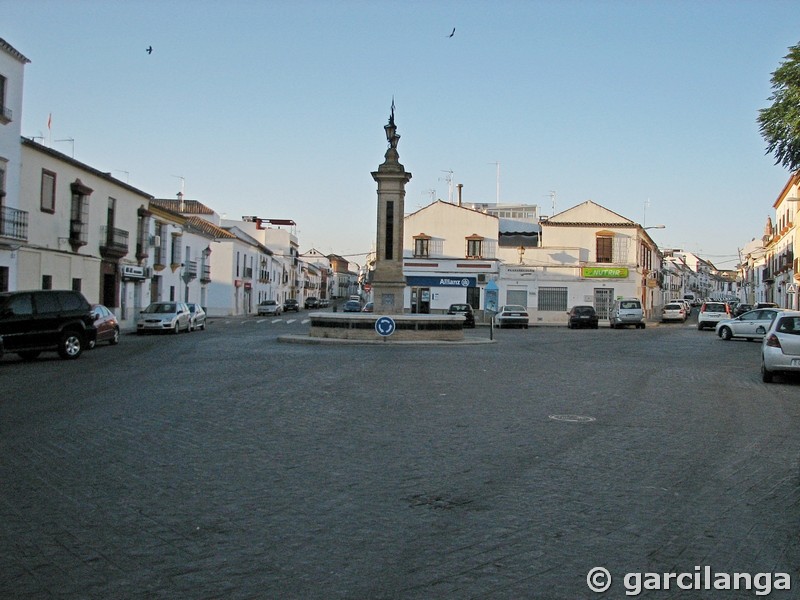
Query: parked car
[[686, 306], [512, 315], [751, 325], [673, 311], [765, 305], [311, 302], [32, 322], [780, 348], [106, 324], [582, 316], [368, 307], [627, 311], [352, 306], [463, 309], [173, 317], [198, 316], [741, 309], [291, 304], [269, 307], [324, 303], [711, 313]]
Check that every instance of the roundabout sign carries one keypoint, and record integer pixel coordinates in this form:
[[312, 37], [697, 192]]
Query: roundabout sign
[[385, 326]]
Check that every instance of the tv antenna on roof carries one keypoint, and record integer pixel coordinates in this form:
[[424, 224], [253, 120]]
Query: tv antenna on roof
[[449, 179]]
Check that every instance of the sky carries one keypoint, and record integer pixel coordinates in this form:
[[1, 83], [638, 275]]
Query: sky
[[276, 108]]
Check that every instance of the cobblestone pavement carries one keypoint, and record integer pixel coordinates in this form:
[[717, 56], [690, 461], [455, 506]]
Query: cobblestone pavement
[[222, 464]]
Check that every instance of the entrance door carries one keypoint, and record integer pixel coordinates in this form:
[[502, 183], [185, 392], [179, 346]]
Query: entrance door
[[421, 300], [603, 300]]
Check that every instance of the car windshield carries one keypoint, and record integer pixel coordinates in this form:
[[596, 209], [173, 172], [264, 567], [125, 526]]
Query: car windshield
[[268, 302], [160, 308], [460, 307], [514, 308], [630, 305], [584, 310], [673, 307]]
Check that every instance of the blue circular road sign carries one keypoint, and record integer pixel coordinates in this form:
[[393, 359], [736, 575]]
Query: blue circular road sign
[[384, 326]]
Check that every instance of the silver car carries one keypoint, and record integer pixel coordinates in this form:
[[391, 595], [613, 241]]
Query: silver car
[[173, 317], [780, 348], [198, 320], [269, 307], [750, 325]]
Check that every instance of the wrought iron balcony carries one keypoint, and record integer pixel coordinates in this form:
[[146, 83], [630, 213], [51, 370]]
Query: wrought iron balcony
[[205, 275], [116, 243], [13, 223]]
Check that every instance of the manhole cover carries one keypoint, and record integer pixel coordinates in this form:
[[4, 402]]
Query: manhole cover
[[572, 418]]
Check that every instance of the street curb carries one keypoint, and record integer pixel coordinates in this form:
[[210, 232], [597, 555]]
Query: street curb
[[306, 339]]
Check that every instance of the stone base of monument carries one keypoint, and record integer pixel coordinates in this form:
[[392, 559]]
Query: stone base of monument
[[407, 327]]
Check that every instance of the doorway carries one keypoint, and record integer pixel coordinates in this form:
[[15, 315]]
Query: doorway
[[421, 300]]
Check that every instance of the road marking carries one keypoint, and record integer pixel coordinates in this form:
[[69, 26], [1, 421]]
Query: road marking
[[290, 321], [304, 321], [260, 320], [277, 320]]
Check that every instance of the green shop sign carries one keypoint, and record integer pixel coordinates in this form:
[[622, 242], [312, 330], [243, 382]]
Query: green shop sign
[[607, 272]]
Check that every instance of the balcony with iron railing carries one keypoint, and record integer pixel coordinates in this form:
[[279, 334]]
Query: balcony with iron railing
[[205, 273], [13, 224], [115, 243], [191, 268]]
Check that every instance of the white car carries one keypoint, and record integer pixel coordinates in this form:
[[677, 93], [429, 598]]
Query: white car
[[711, 313], [512, 315], [165, 316], [780, 348], [674, 311], [269, 307], [750, 325]]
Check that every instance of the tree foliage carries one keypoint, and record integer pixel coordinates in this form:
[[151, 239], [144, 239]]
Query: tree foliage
[[780, 123]]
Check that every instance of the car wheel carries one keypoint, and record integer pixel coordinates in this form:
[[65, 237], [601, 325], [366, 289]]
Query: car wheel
[[700, 327], [115, 338], [29, 354], [766, 376], [644, 325], [725, 333], [177, 329], [71, 345]]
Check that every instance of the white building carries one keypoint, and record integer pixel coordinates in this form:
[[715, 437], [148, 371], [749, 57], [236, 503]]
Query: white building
[[449, 255], [87, 231], [13, 219]]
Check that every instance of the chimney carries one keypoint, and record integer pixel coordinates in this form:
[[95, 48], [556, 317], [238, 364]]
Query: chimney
[[460, 185]]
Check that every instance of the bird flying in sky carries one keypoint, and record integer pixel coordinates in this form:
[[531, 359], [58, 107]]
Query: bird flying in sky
[[452, 33], [149, 50]]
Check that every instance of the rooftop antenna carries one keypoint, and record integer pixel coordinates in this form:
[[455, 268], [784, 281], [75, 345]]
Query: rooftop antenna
[[497, 177], [644, 215], [449, 179], [552, 195], [127, 174], [181, 194], [72, 141]]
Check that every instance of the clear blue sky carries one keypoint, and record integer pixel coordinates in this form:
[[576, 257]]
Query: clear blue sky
[[276, 109]]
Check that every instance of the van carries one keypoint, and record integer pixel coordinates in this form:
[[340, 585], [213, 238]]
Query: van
[[627, 311]]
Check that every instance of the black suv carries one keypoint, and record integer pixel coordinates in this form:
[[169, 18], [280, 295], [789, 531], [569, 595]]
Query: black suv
[[291, 304], [311, 302], [43, 320]]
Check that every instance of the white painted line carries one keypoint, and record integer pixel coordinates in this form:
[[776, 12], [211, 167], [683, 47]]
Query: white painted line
[[260, 320], [277, 320], [291, 321], [304, 321]]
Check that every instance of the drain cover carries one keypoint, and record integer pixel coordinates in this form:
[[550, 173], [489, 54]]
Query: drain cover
[[572, 418]]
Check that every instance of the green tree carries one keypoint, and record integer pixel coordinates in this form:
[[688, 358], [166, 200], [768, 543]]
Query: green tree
[[780, 123]]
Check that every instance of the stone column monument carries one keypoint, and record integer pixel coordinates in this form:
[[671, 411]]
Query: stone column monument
[[388, 281]]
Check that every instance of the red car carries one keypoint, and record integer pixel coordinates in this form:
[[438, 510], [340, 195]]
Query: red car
[[106, 324]]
